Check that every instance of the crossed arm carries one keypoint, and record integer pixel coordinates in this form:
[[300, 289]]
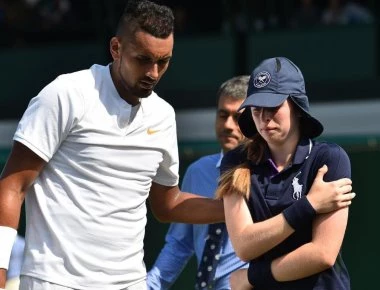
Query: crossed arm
[[250, 239], [311, 258]]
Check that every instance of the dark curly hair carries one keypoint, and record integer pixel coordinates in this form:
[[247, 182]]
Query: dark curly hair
[[155, 19]]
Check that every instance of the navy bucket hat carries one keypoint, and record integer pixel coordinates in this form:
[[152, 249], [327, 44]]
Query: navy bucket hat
[[271, 83]]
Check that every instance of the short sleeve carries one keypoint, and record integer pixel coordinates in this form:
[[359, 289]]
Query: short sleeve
[[337, 161], [49, 117], [167, 173]]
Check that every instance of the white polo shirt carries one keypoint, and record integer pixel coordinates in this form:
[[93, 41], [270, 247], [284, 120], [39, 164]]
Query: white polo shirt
[[86, 212]]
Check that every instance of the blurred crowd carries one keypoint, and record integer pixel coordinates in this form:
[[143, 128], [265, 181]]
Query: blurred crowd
[[256, 16], [24, 22], [27, 22]]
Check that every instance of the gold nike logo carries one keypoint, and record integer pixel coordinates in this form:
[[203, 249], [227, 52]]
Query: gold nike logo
[[151, 131]]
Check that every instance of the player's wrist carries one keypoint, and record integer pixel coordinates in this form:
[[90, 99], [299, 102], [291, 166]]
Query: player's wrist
[[8, 237]]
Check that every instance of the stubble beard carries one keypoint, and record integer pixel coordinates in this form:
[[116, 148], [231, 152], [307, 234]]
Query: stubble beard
[[132, 91]]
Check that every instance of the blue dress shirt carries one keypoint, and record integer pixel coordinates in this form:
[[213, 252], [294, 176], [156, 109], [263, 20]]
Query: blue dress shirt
[[184, 240]]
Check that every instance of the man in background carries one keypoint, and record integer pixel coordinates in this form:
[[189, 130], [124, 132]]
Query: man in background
[[184, 240]]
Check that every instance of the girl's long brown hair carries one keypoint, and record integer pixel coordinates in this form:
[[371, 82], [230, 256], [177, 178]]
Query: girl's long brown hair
[[237, 180]]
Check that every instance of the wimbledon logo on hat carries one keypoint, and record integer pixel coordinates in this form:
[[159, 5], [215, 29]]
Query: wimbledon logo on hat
[[261, 79]]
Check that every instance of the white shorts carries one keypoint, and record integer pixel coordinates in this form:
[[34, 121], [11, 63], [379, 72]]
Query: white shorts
[[31, 283]]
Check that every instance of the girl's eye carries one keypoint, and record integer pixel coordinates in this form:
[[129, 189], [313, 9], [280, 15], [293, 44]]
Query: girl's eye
[[255, 110]]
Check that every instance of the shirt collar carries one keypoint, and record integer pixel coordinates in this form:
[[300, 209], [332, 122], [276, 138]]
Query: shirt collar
[[302, 152], [220, 159]]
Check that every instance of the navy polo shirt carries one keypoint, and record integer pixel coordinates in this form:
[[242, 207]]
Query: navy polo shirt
[[273, 191]]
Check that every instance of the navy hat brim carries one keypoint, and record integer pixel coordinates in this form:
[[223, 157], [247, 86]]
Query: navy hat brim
[[266, 100], [310, 126]]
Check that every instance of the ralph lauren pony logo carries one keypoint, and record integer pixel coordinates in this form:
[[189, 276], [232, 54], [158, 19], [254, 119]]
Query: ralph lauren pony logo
[[297, 188]]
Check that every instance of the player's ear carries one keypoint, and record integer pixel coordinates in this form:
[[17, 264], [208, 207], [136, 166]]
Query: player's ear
[[115, 47]]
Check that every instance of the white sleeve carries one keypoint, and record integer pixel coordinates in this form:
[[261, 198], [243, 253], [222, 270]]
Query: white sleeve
[[167, 173], [49, 117]]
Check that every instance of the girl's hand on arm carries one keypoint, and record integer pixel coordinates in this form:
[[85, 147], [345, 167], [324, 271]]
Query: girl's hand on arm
[[329, 196]]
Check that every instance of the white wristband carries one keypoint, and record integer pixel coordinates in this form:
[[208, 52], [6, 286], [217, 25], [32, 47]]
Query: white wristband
[[7, 239]]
